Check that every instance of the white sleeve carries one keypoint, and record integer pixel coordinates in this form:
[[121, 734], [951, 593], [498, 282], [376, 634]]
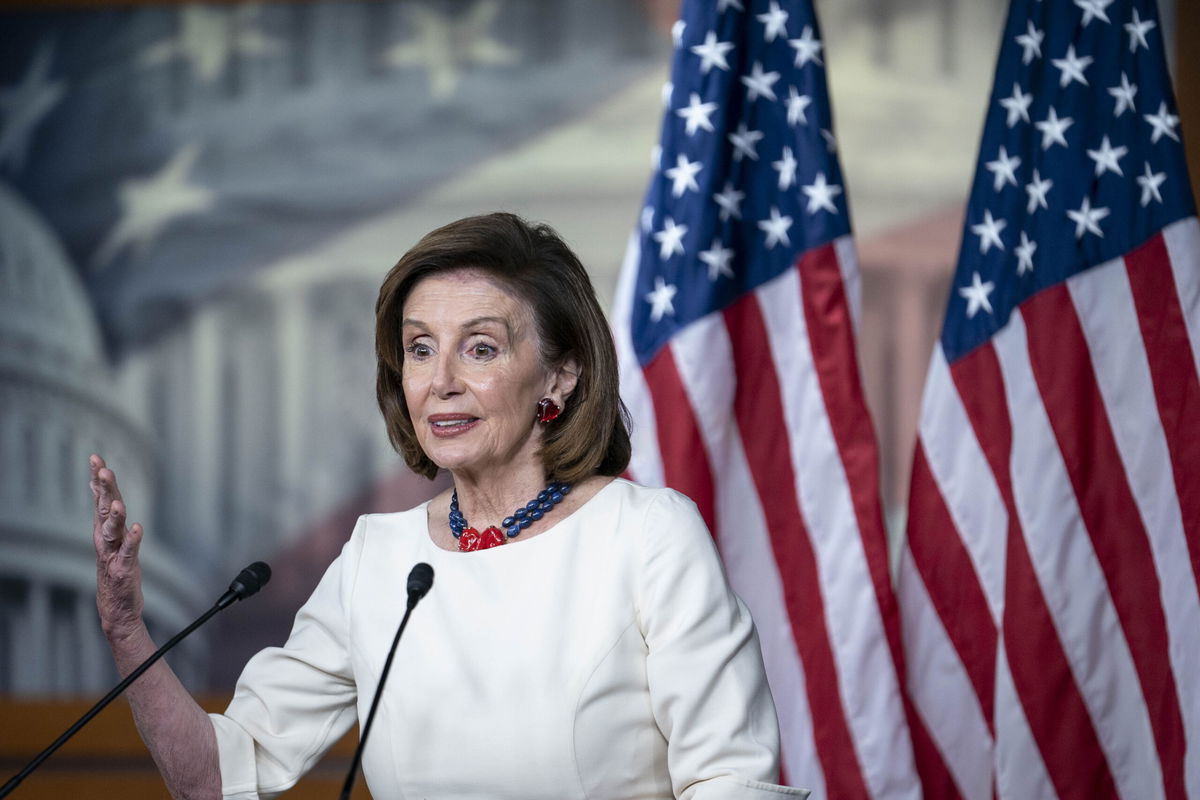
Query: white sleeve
[[708, 687], [293, 702]]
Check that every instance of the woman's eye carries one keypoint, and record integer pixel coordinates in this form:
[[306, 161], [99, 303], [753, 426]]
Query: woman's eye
[[481, 350], [417, 350]]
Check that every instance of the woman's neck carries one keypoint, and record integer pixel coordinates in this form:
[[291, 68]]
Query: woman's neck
[[486, 500]]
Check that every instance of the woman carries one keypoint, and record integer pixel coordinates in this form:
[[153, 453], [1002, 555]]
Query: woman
[[598, 653]]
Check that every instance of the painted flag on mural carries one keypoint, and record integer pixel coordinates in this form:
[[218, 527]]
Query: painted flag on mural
[[735, 322], [1049, 584], [176, 149], [197, 204]]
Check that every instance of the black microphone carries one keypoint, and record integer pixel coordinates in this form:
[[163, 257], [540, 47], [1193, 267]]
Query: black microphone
[[419, 581], [248, 581]]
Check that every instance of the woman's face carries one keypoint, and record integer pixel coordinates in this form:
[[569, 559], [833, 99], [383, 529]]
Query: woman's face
[[473, 374]]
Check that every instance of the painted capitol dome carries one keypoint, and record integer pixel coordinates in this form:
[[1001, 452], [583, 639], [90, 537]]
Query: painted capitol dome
[[58, 404]]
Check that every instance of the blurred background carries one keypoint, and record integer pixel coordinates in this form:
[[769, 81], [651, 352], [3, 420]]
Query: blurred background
[[198, 203]]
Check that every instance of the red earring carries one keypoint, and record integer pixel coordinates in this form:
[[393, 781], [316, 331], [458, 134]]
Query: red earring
[[547, 410]]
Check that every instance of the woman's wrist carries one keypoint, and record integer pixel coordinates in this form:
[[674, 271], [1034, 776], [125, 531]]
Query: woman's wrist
[[127, 637]]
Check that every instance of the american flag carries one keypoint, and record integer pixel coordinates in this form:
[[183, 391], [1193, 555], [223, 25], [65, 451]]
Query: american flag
[[1049, 583], [735, 321]]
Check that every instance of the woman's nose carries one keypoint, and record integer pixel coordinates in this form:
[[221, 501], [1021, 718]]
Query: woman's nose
[[446, 380]]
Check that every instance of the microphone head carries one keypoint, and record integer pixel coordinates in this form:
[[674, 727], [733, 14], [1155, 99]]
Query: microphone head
[[250, 580], [419, 581]]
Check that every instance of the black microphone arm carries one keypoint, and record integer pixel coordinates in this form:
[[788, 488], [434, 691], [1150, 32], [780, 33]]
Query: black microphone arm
[[419, 581], [248, 581]]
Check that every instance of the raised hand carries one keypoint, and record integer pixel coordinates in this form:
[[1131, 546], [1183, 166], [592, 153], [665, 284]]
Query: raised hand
[[118, 572], [173, 726]]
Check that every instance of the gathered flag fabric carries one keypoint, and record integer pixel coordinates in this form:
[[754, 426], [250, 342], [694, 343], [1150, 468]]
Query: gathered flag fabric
[[735, 323], [1049, 584]]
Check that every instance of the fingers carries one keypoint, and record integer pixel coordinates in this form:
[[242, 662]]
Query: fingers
[[117, 546], [110, 535], [113, 529], [109, 531], [105, 485], [132, 543], [95, 463], [104, 488]]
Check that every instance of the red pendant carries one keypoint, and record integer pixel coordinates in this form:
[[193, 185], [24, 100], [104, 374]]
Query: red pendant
[[472, 540]]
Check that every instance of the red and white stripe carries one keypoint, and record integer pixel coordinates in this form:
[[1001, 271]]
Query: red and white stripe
[[1050, 584], [757, 413]]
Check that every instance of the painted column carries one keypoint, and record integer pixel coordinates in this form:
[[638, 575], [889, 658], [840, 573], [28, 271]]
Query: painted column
[[291, 335], [32, 667]]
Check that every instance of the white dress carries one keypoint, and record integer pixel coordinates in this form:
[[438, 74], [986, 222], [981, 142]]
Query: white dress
[[603, 658]]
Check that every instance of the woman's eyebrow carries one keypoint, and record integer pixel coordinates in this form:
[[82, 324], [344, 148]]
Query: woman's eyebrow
[[475, 322], [471, 323], [509, 328]]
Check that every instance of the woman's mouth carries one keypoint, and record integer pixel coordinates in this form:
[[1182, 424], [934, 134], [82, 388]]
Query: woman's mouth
[[444, 425]]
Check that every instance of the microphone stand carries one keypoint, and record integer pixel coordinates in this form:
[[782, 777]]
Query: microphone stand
[[243, 586], [419, 581]]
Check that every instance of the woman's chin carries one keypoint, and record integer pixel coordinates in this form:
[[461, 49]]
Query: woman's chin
[[481, 465], [454, 459]]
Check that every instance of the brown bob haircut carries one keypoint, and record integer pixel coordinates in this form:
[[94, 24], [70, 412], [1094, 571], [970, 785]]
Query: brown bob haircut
[[591, 436]]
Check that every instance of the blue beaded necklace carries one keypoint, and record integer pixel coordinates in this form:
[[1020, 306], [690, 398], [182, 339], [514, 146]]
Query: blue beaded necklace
[[470, 539]]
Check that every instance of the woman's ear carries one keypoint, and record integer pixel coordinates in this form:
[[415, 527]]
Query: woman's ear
[[565, 377]]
